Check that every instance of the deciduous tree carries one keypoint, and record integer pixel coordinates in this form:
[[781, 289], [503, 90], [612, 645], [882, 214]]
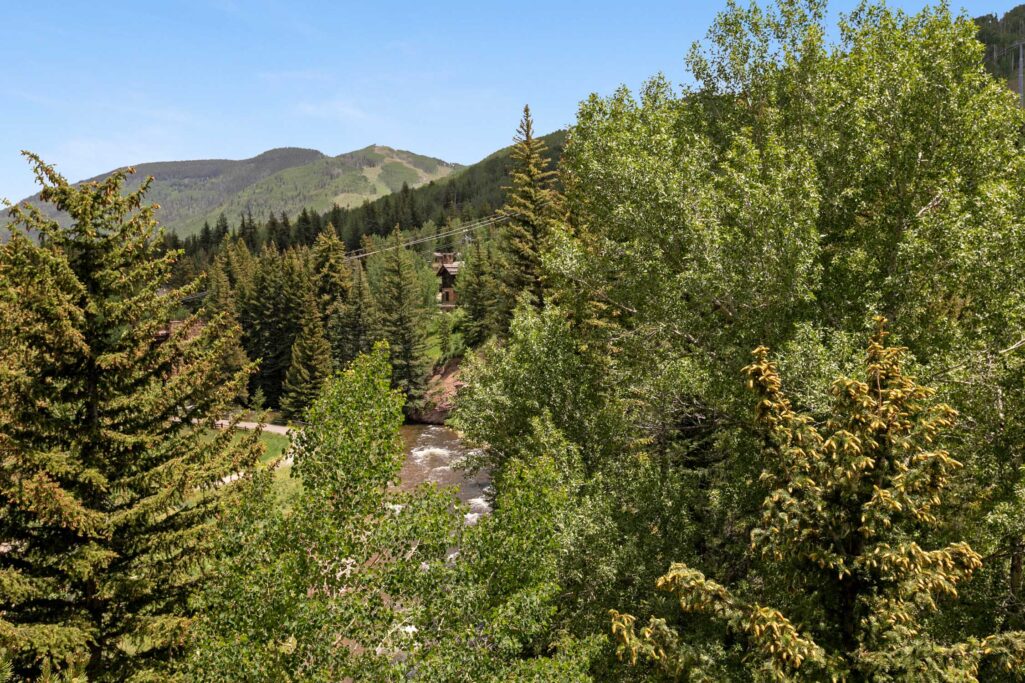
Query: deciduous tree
[[847, 580]]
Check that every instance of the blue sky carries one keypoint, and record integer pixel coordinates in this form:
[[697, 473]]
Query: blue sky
[[95, 85]]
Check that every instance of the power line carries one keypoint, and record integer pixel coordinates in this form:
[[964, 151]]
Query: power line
[[482, 223], [357, 254]]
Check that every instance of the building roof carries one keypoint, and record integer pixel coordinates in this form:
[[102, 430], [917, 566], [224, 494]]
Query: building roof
[[451, 268]]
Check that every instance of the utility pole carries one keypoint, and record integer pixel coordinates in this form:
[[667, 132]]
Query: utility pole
[[1020, 47], [1021, 73]]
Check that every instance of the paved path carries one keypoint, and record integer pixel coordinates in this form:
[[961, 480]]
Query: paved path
[[286, 461], [269, 428]]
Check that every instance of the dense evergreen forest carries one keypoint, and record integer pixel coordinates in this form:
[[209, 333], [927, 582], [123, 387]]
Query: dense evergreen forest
[[469, 194], [745, 361]]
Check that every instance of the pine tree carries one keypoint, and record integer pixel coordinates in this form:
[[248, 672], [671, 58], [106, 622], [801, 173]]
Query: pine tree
[[847, 505], [400, 301], [286, 232], [240, 267], [478, 295], [278, 234], [219, 297], [331, 272], [272, 318], [353, 324], [221, 229], [444, 335], [310, 363], [532, 205], [108, 486], [221, 302], [305, 230], [206, 237], [247, 231]]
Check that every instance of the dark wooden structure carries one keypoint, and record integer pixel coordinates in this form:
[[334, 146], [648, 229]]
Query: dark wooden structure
[[447, 273]]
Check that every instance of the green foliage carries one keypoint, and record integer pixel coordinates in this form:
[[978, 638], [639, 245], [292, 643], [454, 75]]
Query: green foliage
[[330, 589], [444, 326], [222, 302], [310, 363], [839, 530], [795, 192], [107, 495], [499, 622], [362, 580], [353, 322], [478, 293], [272, 317], [331, 271], [402, 315], [532, 205], [540, 371]]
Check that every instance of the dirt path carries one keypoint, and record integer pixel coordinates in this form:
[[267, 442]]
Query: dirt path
[[269, 428], [285, 461]]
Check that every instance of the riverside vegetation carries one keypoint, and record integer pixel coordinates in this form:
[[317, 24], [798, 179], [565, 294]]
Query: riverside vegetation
[[747, 369]]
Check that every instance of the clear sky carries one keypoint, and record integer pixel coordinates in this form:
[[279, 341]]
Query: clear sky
[[96, 85]]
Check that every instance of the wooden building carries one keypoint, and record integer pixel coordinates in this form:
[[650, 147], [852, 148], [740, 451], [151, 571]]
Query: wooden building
[[447, 272]]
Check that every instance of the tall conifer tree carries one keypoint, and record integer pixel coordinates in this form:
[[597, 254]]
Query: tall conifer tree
[[221, 229], [353, 324], [532, 205], [311, 363], [107, 490], [222, 302], [331, 272], [400, 301], [247, 230], [479, 294], [272, 317]]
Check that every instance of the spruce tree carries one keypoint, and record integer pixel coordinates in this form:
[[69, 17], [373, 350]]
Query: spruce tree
[[219, 297], [444, 335], [221, 229], [400, 301], [206, 237], [532, 206], [247, 231], [272, 318], [279, 234], [222, 302], [240, 267], [108, 485], [478, 295], [310, 363], [353, 323], [305, 231], [331, 272]]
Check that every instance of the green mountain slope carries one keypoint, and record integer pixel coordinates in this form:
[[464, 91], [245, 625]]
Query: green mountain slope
[[468, 193], [279, 180]]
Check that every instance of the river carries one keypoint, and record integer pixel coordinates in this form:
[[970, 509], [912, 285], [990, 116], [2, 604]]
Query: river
[[433, 453]]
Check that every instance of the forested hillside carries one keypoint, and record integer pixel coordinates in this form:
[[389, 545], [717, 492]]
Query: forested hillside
[[999, 33], [467, 194], [285, 180], [743, 360]]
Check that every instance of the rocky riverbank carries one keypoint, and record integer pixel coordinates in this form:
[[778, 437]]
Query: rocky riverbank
[[442, 387]]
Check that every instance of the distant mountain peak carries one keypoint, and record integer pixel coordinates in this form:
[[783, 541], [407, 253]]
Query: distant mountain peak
[[279, 180], [279, 152]]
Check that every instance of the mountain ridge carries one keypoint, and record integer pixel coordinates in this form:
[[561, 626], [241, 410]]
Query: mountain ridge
[[281, 179]]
